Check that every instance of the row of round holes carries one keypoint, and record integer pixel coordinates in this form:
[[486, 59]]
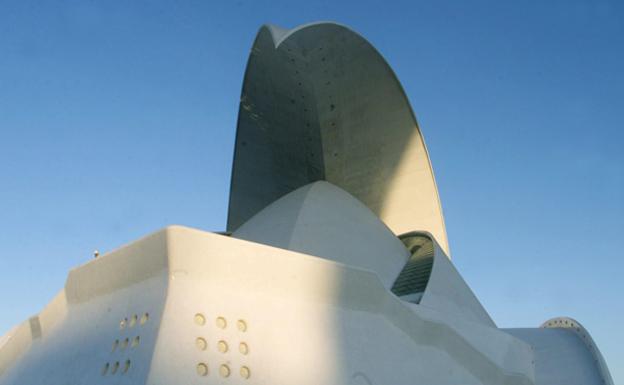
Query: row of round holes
[[133, 321], [222, 346], [124, 344], [224, 370], [572, 324], [115, 368], [220, 322]]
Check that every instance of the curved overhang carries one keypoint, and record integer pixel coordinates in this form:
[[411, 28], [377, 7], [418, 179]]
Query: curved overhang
[[320, 103]]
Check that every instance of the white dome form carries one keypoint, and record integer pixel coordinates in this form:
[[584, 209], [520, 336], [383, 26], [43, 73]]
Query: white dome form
[[323, 220]]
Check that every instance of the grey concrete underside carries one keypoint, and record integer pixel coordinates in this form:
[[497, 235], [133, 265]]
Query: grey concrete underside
[[320, 103]]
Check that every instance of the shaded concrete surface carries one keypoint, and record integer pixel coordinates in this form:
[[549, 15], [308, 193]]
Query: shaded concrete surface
[[320, 103]]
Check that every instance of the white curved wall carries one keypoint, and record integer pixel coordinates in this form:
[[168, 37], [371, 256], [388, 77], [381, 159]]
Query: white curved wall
[[323, 220]]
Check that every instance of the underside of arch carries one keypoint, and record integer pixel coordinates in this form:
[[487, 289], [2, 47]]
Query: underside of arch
[[320, 103]]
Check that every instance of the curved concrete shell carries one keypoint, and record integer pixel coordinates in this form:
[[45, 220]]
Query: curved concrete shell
[[320, 103]]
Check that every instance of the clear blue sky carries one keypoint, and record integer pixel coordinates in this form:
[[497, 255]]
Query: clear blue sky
[[117, 118]]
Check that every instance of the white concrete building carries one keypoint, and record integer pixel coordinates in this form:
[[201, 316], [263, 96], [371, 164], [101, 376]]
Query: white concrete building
[[335, 269]]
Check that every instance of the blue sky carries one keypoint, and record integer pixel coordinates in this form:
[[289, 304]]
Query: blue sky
[[117, 118]]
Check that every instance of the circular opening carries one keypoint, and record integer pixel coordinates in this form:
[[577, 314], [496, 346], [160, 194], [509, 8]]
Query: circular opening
[[221, 322], [201, 343], [115, 344], [244, 372], [243, 348], [115, 367], [202, 369], [242, 325], [222, 346], [135, 341], [133, 320], [199, 319], [144, 318], [124, 344], [224, 370], [105, 368], [126, 366]]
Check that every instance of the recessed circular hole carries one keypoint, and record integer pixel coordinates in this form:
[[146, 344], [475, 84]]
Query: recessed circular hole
[[201, 343], [241, 325], [126, 366], [221, 322], [123, 323], [115, 367], [144, 318], [202, 369], [200, 319], [222, 346], [244, 372], [224, 370], [115, 344], [243, 348], [133, 320], [136, 341], [124, 343], [105, 368]]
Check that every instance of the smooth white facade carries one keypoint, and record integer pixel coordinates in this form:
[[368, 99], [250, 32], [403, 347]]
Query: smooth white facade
[[308, 320]]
